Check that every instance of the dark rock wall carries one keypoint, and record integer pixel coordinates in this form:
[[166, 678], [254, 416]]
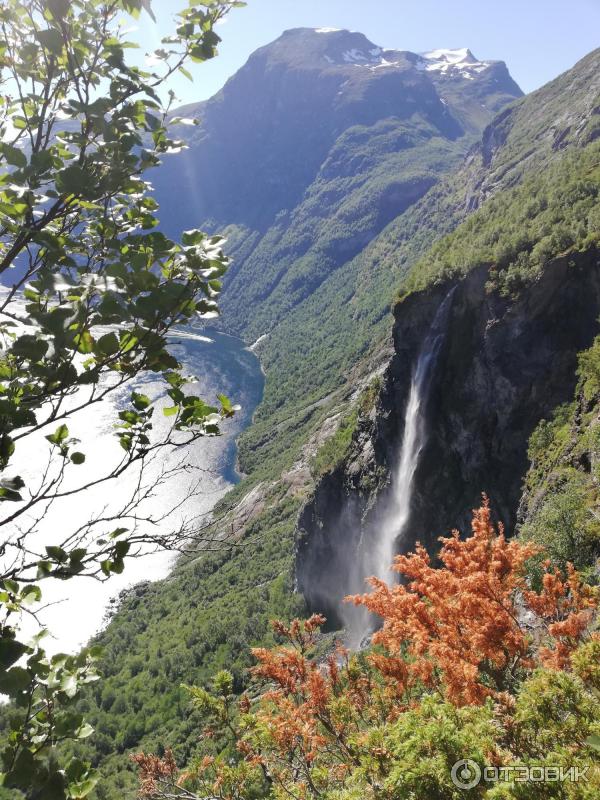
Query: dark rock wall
[[505, 366]]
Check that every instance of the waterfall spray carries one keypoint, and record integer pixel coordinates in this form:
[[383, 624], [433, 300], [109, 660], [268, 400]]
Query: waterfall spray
[[378, 549]]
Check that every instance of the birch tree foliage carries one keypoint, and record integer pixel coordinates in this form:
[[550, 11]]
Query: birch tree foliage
[[92, 290]]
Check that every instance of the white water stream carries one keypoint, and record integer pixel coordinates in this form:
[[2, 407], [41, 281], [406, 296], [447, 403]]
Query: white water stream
[[378, 548]]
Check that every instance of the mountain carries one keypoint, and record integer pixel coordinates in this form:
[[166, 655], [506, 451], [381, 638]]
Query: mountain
[[286, 115], [394, 197], [312, 148], [318, 143]]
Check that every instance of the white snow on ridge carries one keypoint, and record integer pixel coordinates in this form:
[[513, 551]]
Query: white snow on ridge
[[452, 62], [459, 56], [374, 59], [385, 63], [355, 56], [446, 63], [327, 30]]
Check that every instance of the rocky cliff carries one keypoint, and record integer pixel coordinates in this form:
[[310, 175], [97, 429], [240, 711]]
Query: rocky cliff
[[505, 365]]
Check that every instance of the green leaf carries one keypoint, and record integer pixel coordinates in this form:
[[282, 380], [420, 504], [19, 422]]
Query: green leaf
[[121, 549], [192, 237], [13, 681], [77, 458], [42, 160], [13, 155], [83, 788], [85, 731], [57, 554], [108, 344], [51, 40], [73, 180], [44, 568], [29, 347], [58, 8], [7, 448], [10, 651], [14, 484], [59, 435], [84, 342], [147, 6], [69, 685], [8, 494], [76, 556], [140, 401], [23, 770], [31, 594], [226, 404]]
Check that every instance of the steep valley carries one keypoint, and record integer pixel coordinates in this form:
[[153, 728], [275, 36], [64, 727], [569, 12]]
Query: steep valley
[[350, 179]]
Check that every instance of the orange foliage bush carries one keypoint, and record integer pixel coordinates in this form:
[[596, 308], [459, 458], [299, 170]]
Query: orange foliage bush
[[460, 628], [469, 629], [154, 772]]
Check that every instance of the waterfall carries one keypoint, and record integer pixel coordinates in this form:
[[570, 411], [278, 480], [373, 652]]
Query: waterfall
[[378, 548]]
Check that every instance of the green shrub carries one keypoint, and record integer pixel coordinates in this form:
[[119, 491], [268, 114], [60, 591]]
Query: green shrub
[[332, 453]]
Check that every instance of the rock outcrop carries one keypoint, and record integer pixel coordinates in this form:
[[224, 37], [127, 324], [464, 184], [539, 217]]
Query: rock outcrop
[[505, 365]]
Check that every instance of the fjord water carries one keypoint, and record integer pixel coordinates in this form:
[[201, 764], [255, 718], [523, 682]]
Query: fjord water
[[221, 364], [378, 548]]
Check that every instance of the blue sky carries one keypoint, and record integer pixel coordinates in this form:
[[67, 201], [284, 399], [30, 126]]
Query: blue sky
[[538, 39]]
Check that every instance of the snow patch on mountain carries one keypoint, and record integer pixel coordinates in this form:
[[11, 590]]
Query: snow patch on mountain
[[444, 63], [373, 58], [385, 63], [355, 56], [452, 62], [460, 56]]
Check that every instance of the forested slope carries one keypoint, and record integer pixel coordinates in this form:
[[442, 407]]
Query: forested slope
[[325, 310]]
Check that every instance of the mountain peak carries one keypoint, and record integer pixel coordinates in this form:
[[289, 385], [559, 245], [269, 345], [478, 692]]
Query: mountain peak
[[322, 46], [452, 62], [459, 56], [297, 96], [339, 47]]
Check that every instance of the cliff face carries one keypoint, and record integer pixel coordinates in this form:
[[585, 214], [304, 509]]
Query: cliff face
[[504, 366]]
